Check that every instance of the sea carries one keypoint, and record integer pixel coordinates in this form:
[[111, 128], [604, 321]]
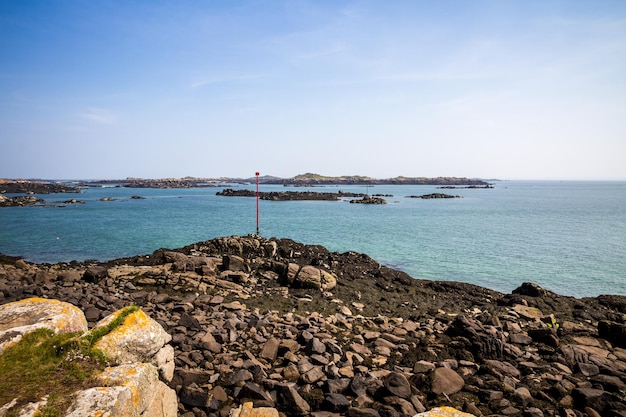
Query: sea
[[566, 236]]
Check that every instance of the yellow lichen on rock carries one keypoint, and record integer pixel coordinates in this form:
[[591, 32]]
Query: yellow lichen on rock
[[444, 412], [20, 317], [138, 338], [247, 410], [138, 377]]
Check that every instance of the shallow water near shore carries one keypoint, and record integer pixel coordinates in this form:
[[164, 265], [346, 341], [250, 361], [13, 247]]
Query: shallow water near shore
[[569, 237]]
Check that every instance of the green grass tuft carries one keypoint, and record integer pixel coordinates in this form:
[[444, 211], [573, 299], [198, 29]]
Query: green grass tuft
[[97, 334]]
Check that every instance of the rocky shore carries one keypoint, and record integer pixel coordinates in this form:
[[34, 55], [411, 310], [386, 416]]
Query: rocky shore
[[306, 331], [35, 187], [19, 201]]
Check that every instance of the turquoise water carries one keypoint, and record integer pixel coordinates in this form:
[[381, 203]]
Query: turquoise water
[[569, 237]]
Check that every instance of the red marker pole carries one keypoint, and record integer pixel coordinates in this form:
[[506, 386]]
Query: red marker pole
[[257, 203]]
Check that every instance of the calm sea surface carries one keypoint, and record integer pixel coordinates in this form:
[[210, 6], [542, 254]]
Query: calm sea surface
[[569, 237]]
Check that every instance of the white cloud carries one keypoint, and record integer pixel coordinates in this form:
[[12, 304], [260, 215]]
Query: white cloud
[[217, 79], [100, 116]]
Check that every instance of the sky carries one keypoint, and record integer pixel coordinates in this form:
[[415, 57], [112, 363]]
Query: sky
[[527, 89]]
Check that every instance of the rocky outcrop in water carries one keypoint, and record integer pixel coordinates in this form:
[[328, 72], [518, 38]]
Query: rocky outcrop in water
[[434, 195], [35, 187], [303, 331], [369, 200], [288, 195], [19, 201]]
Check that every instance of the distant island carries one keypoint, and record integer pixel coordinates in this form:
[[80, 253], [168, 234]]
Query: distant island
[[310, 179], [41, 186]]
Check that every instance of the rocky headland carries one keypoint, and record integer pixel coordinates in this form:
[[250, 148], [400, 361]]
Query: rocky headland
[[35, 187], [303, 331]]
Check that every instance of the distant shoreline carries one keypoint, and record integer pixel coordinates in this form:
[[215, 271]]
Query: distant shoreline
[[41, 186]]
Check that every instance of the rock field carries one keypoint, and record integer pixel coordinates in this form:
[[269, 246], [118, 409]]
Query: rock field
[[311, 332]]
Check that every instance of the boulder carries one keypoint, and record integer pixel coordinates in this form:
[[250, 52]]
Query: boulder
[[20, 317], [137, 339], [95, 273], [397, 385], [129, 389], [149, 396], [312, 277], [290, 399], [446, 381], [482, 343], [530, 289], [613, 332]]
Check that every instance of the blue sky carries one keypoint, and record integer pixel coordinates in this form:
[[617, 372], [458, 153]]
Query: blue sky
[[154, 89]]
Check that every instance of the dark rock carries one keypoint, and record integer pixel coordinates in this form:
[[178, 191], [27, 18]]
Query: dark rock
[[315, 346], [545, 335], [532, 412], [610, 383], [520, 338], [188, 321], [434, 195], [523, 397], [194, 396], [235, 263], [587, 369], [401, 405], [365, 385], [336, 403], [270, 349], [93, 314], [369, 200], [501, 368], [597, 399], [95, 273], [362, 412], [530, 289], [613, 332], [240, 377], [209, 343], [254, 392], [446, 381], [289, 399], [482, 344], [337, 386], [397, 385]]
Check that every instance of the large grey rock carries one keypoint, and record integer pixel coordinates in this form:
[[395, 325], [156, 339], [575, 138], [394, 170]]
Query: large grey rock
[[137, 339], [149, 396], [312, 277], [483, 344], [20, 317], [397, 385], [290, 399], [132, 389], [446, 381]]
